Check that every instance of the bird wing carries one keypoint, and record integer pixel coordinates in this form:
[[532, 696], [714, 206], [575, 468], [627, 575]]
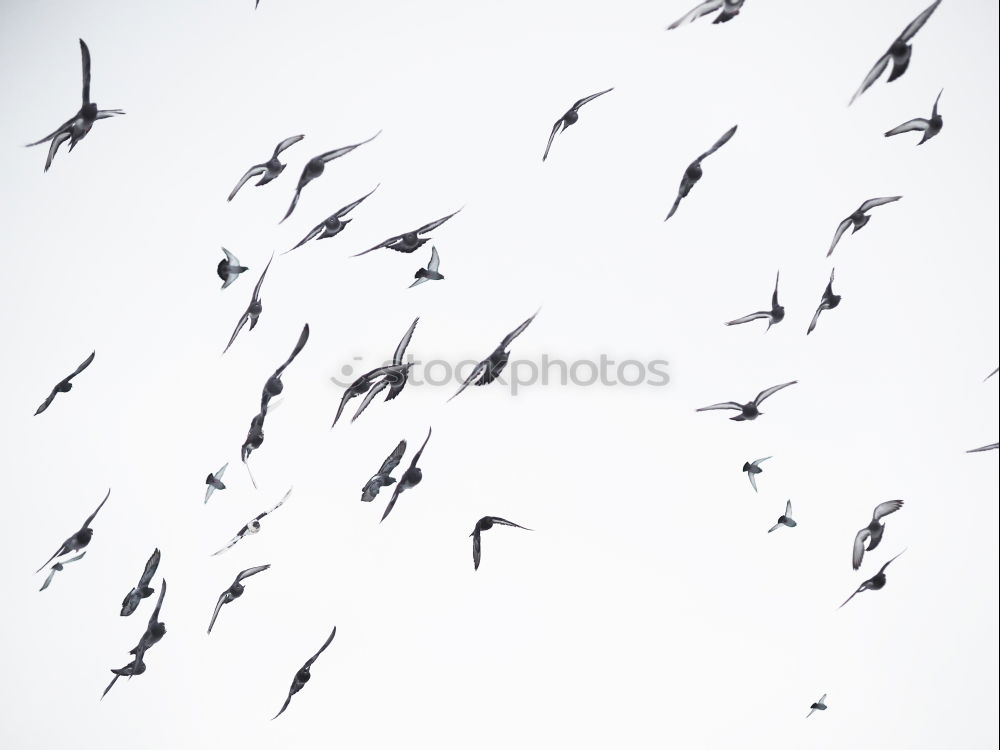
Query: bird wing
[[723, 405], [384, 243], [918, 123], [815, 318], [753, 480], [53, 134], [230, 258], [150, 570], [370, 396], [388, 508], [477, 547], [418, 282], [231, 542], [397, 357], [255, 170], [991, 374], [295, 200], [313, 233], [321, 649], [673, 208], [873, 75], [285, 704], [46, 403], [882, 569], [477, 371], [697, 12], [343, 150], [48, 578], [94, 514], [759, 461], [416, 457], [58, 139], [774, 528], [83, 366], [239, 327], [774, 294], [505, 522], [153, 618], [251, 572], [218, 607], [436, 223], [871, 203], [841, 228], [719, 143], [509, 338], [990, 447], [822, 699], [435, 260], [884, 509], [768, 392], [859, 547], [85, 58], [580, 102], [260, 281], [288, 142], [394, 458], [351, 206], [788, 509], [552, 136], [220, 472], [811, 712], [277, 505], [762, 315], [910, 31], [303, 338]]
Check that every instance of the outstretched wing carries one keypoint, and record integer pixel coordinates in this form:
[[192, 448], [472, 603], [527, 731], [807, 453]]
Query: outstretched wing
[[392, 502], [580, 102], [303, 338], [841, 228], [438, 222], [723, 405], [747, 318], [321, 648], [753, 480], [719, 143], [154, 618], [910, 31], [313, 233], [384, 243], [859, 547], [768, 392], [394, 458], [918, 123], [93, 515], [83, 366], [251, 572], [788, 509], [435, 260], [882, 569], [218, 607], [673, 208], [815, 318], [702, 9], [256, 289], [255, 170], [343, 150], [871, 203], [85, 58], [150, 570], [884, 509], [416, 457], [509, 338], [351, 206], [477, 371], [505, 522], [370, 396], [397, 357], [552, 136], [873, 75], [990, 447], [477, 546], [286, 144], [278, 504], [239, 327], [231, 542]]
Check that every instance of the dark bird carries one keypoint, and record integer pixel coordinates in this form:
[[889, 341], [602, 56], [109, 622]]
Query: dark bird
[[254, 439], [396, 378], [485, 524], [990, 447], [490, 368], [333, 224], [730, 9], [930, 128], [872, 533], [750, 410], [269, 169], [819, 705], [382, 478], [408, 242], [253, 526], [229, 268], [829, 301], [274, 386], [153, 634], [80, 539], [753, 469], [316, 166], [64, 385], [411, 477], [874, 583], [571, 116], [141, 590], [363, 383], [303, 675], [58, 567], [784, 519], [899, 53], [431, 272], [214, 482], [694, 171], [75, 128], [252, 313], [235, 591], [775, 315], [859, 218]]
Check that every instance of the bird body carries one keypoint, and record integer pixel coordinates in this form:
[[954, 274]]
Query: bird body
[[485, 524], [214, 482], [229, 268], [694, 172], [753, 469], [785, 519], [828, 302], [431, 272], [858, 219], [569, 118], [819, 705]]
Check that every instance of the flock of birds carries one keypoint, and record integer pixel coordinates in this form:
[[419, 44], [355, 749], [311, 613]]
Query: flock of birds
[[393, 376]]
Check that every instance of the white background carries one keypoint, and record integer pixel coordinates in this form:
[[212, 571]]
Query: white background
[[649, 608]]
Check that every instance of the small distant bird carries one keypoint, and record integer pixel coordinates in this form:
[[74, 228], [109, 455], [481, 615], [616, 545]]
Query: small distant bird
[[274, 386], [490, 368], [253, 526], [990, 447], [485, 524], [930, 128], [382, 478], [750, 410], [316, 166], [75, 128], [753, 469], [859, 218], [214, 481], [571, 116], [411, 477], [141, 590], [785, 519], [397, 375], [333, 224], [730, 9], [269, 169], [991, 374], [254, 309], [829, 301], [694, 171], [229, 268], [819, 705], [303, 675], [235, 591], [874, 583], [872, 533], [431, 272], [899, 53], [775, 315], [58, 567], [64, 385], [409, 242], [80, 539]]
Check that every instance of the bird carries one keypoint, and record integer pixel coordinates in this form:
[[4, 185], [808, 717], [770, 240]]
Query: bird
[[872, 533], [382, 478], [730, 9], [364, 382], [570, 117], [141, 590], [80, 539], [990, 447], [316, 166], [874, 583], [694, 171], [214, 481], [775, 315], [930, 128], [229, 268], [76, 127], [58, 567], [899, 53], [411, 477], [408, 242], [64, 385], [235, 591], [303, 675], [253, 526], [396, 378], [431, 272], [750, 410], [485, 524], [753, 469], [254, 309], [490, 368], [254, 439], [269, 169], [785, 519], [333, 224], [859, 218], [828, 302], [155, 630], [819, 705], [274, 386]]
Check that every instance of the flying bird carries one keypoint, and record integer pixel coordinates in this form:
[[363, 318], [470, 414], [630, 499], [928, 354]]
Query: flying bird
[[396, 378], [58, 567], [382, 478], [269, 169], [784, 519], [872, 533], [750, 410], [80, 539], [490, 368], [694, 171], [990, 447], [235, 591], [64, 385], [859, 218], [333, 224], [141, 590], [819, 705], [775, 315], [571, 116], [214, 482], [899, 53], [253, 526], [408, 242], [828, 302], [76, 127], [229, 268], [753, 469], [431, 272], [730, 9], [303, 675], [411, 477], [930, 128], [253, 311], [874, 583], [485, 524], [274, 386]]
